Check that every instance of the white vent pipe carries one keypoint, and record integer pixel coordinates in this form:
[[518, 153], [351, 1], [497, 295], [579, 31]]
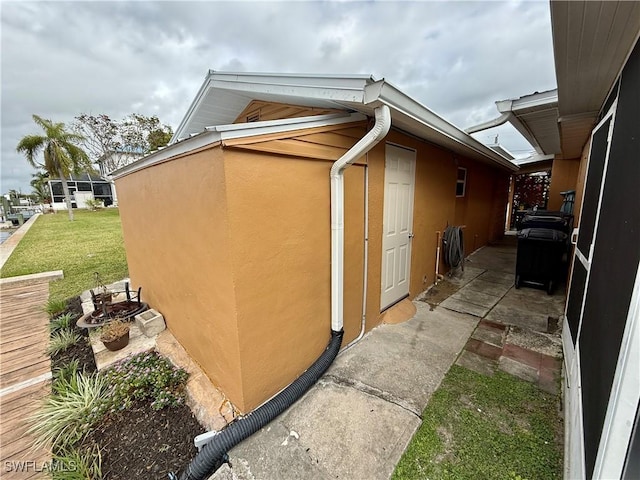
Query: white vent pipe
[[366, 143]]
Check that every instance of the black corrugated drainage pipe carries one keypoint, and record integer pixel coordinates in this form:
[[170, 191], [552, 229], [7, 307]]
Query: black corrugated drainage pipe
[[210, 457]]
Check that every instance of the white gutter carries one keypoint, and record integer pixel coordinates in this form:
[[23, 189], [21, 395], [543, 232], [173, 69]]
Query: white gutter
[[490, 124], [366, 143]]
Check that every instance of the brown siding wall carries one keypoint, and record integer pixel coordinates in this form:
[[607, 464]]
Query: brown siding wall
[[174, 219], [564, 175]]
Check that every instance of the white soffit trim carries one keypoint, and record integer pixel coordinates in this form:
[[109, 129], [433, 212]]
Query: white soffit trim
[[361, 93], [326, 88], [535, 116], [239, 130], [394, 98]]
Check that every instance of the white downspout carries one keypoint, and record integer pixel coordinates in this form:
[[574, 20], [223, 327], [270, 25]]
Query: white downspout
[[366, 143]]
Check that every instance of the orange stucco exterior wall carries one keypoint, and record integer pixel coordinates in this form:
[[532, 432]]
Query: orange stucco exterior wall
[[176, 234], [232, 245], [580, 182], [482, 210], [564, 175], [279, 219]]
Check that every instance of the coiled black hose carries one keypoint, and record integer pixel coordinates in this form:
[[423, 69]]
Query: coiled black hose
[[453, 247], [211, 455]]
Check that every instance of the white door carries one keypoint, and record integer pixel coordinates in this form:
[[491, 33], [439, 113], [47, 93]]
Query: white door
[[399, 181]]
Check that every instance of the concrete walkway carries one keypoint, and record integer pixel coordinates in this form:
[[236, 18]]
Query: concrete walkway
[[356, 422]]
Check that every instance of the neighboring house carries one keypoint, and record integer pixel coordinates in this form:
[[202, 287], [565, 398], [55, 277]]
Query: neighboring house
[[229, 232], [82, 187], [592, 126]]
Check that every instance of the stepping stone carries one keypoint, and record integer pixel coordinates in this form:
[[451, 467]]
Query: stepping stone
[[477, 298], [477, 363], [517, 369], [517, 316], [464, 307], [489, 288]]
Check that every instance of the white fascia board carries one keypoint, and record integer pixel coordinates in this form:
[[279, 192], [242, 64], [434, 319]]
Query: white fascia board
[[332, 88], [536, 101], [394, 98], [301, 79], [228, 132], [194, 104], [183, 146], [239, 130], [336, 94]]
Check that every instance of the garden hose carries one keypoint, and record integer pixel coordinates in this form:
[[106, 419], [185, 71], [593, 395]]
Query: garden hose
[[453, 247]]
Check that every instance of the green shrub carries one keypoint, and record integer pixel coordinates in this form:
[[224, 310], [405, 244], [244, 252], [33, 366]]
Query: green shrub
[[67, 415], [65, 320], [65, 374], [55, 307], [61, 340], [145, 376], [94, 204], [72, 464]]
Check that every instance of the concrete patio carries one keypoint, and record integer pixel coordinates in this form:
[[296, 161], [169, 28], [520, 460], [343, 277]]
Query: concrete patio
[[369, 403]]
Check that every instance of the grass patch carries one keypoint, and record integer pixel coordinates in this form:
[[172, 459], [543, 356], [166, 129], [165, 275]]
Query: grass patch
[[91, 243], [476, 426]]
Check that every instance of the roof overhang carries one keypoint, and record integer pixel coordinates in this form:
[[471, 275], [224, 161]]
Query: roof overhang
[[218, 134], [535, 116], [224, 95], [591, 43]]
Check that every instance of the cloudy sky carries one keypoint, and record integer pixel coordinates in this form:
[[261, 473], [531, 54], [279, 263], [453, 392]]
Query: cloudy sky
[[63, 59]]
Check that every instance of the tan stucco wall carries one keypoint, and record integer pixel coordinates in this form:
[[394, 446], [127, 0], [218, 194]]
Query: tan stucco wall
[[482, 210], [279, 220], [580, 182], [564, 175], [233, 247], [174, 220]]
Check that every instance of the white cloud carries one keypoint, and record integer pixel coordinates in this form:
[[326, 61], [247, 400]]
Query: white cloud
[[63, 59]]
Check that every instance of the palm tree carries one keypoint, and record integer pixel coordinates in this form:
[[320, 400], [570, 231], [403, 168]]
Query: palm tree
[[61, 155], [40, 187]]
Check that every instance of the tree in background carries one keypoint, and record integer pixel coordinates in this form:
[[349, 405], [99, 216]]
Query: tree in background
[[40, 192], [114, 144], [62, 155]]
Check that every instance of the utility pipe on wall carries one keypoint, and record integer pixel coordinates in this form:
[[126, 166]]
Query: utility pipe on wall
[[366, 143]]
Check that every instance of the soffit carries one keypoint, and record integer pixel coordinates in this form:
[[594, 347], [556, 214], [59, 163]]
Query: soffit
[[591, 42]]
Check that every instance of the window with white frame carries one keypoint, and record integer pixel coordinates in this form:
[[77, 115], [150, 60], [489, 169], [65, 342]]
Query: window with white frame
[[461, 183]]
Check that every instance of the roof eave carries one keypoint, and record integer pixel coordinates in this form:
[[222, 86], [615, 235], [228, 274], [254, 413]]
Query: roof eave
[[220, 133], [397, 100]]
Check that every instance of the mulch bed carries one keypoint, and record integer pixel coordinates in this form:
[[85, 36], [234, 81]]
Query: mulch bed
[[146, 444], [81, 351], [139, 442]]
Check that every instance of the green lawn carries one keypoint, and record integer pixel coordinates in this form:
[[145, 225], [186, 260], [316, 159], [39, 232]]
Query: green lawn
[[479, 427], [91, 243]]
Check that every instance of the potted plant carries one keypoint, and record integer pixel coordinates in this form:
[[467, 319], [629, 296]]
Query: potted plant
[[102, 296], [115, 335]]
